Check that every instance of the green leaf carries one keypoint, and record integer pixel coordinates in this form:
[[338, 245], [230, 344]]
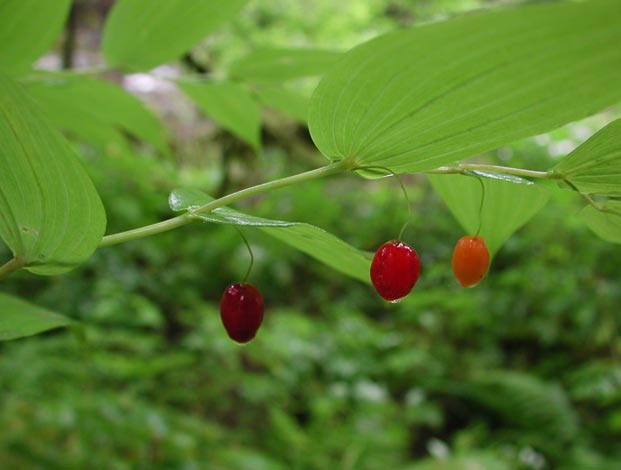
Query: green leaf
[[279, 65], [141, 34], [188, 199], [508, 204], [595, 166], [28, 28], [526, 401], [309, 239], [229, 104], [420, 98], [605, 224], [19, 318], [474, 460], [282, 99], [51, 216], [94, 110], [325, 247]]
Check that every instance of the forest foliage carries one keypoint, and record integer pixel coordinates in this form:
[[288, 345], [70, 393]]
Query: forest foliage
[[512, 113]]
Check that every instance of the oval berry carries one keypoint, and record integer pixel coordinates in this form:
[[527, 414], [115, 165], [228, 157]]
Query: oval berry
[[241, 311], [395, 270], [470, 260]]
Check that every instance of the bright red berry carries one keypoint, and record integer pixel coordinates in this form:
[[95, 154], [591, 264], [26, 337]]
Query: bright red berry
[[470, 260], [395, 270], [241, 311]]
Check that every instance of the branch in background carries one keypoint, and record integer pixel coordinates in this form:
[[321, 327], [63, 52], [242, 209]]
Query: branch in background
[[193, 65], [69, 41]]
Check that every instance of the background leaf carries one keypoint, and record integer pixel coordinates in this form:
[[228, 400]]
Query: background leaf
[[140, 34], [50, 214], [229, 104], [416, 99], [606, 225], [508, 204], [309, 239], [524, 401], [471, 461], [279, 65], [94, 109], [282, 99], [19, 318], [28, 28], [595, 166]]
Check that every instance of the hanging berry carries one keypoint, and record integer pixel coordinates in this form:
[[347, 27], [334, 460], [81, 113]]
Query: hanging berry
[[241, 311], [394, 270], [470, 260]]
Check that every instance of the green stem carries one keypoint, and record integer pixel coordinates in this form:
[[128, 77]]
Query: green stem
[[10, 267], [589, 200], [184, 219], [481, 205], [328, 170], [389, 172], [249, 252], [145, 231], [496, 169], [464, 168]]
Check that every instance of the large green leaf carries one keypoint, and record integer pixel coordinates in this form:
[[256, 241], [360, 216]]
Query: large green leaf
[[282, 99], [28, 28], [325, 247], [229, 104], [605, 224], [19, 318], [51, 216], [509, 203], [140, 34], [309, 239], [420, 98], [267, 65], [94, 110], [595, 166]]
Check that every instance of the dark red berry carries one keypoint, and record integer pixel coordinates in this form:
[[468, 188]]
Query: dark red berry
[[394, 270], [241, 311], [470, 260]]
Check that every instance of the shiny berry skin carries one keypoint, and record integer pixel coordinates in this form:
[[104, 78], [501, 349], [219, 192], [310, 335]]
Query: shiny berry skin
[[470, 260], [395, 270], [241, 311]]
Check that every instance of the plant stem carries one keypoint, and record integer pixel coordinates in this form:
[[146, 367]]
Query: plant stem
[[465, 167], [496, 169], [590, 201], [328, 170], [145, 231], [405, 193], [10, 267], [481, 205], [184, 219], [249, 252]]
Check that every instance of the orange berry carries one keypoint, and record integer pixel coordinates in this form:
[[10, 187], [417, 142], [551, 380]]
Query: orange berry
[[470, 260]]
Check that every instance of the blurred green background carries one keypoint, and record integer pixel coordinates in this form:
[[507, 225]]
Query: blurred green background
[[522, 372]]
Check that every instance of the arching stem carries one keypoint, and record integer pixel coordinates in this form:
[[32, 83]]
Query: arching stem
[[241, 234], [481, 205], [405, 193]]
